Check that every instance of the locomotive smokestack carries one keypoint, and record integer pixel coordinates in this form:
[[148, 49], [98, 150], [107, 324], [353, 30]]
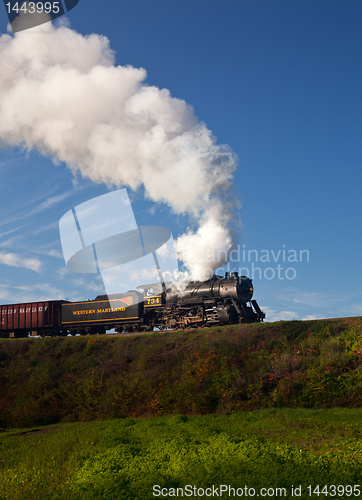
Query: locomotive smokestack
[[62, 94]]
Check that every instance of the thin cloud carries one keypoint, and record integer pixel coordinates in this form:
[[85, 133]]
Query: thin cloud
[[6, 164], [53, 253], [47, 227], [95, 285], [11, 242], [31, 293], [57, 254], [274, 315], [41, 207], [63, 271], [309, 298], [52, 200], [12, 230], [310, 317], [14, 260]]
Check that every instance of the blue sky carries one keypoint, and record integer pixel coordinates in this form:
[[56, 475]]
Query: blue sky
[[280, 83]]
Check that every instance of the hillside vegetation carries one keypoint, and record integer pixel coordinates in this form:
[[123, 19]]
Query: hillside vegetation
[[314, 364]]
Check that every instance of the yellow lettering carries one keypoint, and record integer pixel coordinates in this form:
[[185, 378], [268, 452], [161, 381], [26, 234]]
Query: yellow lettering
[[85, 311]]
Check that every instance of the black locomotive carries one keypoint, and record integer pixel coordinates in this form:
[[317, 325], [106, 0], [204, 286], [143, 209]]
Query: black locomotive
[[204, 303], [201, 303], [217, 301]]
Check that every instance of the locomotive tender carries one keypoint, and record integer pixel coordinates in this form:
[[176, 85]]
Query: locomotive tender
[[217, 301]]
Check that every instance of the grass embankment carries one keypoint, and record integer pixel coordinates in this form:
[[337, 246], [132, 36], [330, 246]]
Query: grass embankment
[[124, 459], [313, 364]]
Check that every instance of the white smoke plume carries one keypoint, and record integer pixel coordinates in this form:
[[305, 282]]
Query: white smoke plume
[[61, 93]]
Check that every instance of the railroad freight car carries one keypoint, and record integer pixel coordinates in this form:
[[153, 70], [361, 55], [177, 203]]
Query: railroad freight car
[[36, 318]]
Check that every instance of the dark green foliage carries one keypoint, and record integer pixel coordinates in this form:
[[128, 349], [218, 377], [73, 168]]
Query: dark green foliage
[[314, 364]]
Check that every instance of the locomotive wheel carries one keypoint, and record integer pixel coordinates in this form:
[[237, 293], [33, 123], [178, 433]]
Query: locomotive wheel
[[147, 328], [171, 323]]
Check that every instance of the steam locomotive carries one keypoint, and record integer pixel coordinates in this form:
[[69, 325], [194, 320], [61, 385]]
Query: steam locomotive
[[217, 301]]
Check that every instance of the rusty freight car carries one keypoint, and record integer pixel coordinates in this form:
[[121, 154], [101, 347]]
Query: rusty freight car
[[34, 318]]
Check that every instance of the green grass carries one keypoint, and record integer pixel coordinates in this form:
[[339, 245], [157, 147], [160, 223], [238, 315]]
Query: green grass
[[124, 459]]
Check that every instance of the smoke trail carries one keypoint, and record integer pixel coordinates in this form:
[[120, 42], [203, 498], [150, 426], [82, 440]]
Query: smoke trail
[[61, 93]]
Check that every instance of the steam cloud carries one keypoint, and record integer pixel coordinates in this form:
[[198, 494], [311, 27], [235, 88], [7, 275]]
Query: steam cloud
[[61, 93]]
